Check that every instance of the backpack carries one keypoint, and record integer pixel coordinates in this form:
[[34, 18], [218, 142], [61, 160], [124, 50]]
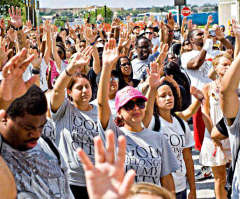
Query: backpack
[[157, 125]]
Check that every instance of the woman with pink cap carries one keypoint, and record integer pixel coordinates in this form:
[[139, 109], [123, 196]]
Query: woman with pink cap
[[148, 152]]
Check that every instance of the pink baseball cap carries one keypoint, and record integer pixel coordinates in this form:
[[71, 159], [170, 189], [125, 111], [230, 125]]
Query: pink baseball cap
[[126, 94]]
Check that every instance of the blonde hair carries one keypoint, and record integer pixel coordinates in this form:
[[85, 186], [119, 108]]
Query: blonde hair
[[216, 59], [150, 189]]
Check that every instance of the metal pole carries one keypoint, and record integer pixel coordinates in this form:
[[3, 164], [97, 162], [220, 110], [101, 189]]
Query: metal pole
[[179, 16]]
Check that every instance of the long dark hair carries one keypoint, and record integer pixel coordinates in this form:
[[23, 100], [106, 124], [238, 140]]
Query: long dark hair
[[122, 83]]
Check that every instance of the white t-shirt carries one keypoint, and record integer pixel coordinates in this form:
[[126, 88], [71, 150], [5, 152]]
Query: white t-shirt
[[178, 140], [111, 103], [199, 77]]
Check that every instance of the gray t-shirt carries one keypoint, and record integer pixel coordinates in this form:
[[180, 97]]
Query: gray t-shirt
[[37, 172], [147, 152], [139, 67], [75, 128], [234, 138]]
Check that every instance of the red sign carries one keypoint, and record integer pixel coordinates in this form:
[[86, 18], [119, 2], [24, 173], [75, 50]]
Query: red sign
[[186, 11]]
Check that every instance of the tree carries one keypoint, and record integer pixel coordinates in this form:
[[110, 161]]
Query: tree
[[6, 4], [109, 15]]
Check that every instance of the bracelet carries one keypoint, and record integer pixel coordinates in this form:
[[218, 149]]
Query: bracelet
[[92, 44], [67, 73]]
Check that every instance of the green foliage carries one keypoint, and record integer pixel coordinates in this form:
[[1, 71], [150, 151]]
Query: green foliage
[[6, 4], [93, 16], [59, 23]]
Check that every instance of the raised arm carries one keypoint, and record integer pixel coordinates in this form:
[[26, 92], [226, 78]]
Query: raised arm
[[193, 108], [12, 85], [47, 52], [110, 57], [228, 98], [56, 57], [236, 30], [96, 61], [79, 60]]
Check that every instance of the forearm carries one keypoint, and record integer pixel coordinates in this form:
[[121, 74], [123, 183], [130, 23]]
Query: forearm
[[102, 96], [168, 183], [96, 61], [58, 93], [190, 111], [149, 107], [22, 41], [226, 43], [55, 55], [237, 47], [187, 156], [196, 62]]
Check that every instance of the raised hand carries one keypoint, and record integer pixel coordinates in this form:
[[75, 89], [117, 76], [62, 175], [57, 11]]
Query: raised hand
[[236, 28], [197, 93], [170, 21], [219, 34], [154, 75], [3, 52], [80, 59], [12, 35], [12, 85], [107, 179], [110, 53], [163, 53], [89, 33], [15, 16]]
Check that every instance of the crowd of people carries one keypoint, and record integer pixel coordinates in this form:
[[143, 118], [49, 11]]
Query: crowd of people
[[96, 112]]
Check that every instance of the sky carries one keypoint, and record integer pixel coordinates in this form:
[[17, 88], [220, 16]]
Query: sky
[[114, 3]]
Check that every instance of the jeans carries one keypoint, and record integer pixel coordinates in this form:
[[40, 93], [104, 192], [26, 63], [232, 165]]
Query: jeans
[[182, 194]]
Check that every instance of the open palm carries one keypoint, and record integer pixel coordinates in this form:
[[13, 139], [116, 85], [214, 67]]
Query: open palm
[[16, 18], [106, 179], [110, 53]]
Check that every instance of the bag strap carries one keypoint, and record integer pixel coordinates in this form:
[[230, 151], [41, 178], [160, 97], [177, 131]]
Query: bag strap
[[181, 122], [53, 148], [157, 125], [1, 142]]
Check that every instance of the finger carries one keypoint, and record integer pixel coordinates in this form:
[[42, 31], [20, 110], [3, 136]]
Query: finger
[[86, 162], [121, 151], [10, 12], [23, 66], [31, 81], [110, 147], [127, 183], [99, 150], [13, 11]]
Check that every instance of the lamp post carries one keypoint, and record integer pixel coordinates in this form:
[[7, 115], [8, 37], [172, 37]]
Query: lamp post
[[179, 3]]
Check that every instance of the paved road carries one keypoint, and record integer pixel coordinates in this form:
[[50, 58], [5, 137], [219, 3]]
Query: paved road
[[205, 189]]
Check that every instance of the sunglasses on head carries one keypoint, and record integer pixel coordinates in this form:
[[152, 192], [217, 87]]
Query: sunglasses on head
[[126, 64], [131, 104]]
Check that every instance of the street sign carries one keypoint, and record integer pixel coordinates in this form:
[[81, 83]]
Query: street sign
[[179, 2], [186, 11]]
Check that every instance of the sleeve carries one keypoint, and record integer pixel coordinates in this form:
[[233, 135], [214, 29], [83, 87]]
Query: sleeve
[[28, 73], [61, 111], [189, 141], [112, 126], [169, 160], [43, 76]]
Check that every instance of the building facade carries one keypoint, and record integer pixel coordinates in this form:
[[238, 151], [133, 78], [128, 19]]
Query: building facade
[[228, 9]]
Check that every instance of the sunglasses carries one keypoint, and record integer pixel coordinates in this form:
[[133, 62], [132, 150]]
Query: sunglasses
[[149, 33], [131, 104], [126, 64]]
